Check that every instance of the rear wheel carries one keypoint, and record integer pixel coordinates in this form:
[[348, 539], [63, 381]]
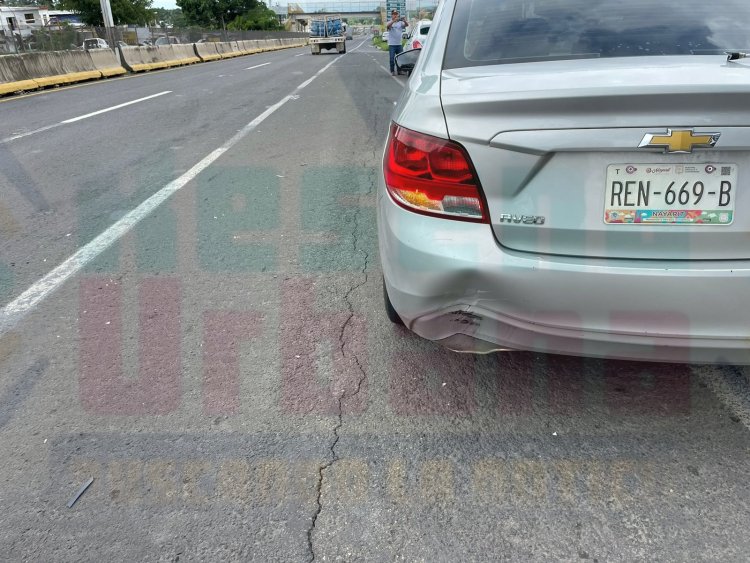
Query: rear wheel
[[389, 310]]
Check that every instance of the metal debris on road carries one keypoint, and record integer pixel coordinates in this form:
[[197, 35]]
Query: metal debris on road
[[80, 491]]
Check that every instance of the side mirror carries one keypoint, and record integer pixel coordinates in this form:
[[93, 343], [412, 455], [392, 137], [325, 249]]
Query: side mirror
[[405, 61]]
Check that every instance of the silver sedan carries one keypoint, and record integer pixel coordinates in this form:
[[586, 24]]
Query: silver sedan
[[574, 178]]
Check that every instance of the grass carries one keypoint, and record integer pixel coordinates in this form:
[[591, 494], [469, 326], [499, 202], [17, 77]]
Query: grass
[[379, 43]]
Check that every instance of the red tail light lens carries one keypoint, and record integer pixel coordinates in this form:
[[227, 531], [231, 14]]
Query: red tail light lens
[[432, 176], [417, 44]]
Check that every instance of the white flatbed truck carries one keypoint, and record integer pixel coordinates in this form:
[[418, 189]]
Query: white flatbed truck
[[327, 31]]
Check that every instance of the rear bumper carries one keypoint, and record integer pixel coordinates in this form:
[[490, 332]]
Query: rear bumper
[[452, 283]]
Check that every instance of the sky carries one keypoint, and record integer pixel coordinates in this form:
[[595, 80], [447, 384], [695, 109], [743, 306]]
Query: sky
[[168, 4]]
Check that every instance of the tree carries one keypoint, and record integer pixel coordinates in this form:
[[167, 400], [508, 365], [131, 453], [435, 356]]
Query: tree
[[123, 11], [259, 17], [165, 17], [40, 3], [215, 14]]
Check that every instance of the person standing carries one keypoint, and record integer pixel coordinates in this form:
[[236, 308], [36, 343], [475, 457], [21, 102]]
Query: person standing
[[395, 28]]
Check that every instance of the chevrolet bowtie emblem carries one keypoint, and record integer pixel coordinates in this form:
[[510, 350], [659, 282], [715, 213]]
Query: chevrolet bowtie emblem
[[681, 140]]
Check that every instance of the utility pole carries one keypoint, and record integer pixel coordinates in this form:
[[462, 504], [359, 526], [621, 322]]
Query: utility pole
[[109, 23]]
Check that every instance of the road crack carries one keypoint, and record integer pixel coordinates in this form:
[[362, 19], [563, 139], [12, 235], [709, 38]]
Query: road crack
[[343, 396]]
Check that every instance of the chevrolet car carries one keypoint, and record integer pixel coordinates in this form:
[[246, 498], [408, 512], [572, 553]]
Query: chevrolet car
[[573, 177]]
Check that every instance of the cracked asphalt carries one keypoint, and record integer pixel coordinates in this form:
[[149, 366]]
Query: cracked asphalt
[[226, 373]]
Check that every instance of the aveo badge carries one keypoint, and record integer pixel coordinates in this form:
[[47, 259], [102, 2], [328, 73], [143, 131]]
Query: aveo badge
[[524, 219]]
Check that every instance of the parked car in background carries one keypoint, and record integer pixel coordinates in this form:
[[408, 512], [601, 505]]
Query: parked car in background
[[418, 35], [562, 180], [94, 43], [171, 40], [384, 36]]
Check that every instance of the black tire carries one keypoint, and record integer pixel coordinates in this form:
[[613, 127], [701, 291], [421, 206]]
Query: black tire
[[344, 51], [389, 310]]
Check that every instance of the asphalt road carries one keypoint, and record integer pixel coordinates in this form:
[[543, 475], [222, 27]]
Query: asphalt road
[[219, 362]]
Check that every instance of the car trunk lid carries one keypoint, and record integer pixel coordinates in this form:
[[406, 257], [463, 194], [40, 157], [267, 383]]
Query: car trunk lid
[[557, 149]]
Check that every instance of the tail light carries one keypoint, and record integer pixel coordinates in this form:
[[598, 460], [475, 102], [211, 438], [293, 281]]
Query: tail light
[[432, 176], [416, 44]]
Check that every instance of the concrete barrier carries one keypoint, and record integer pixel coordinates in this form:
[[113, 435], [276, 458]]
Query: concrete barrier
[[242, 49], [30, 71], [253, 46], [227, 50], [237, 48], [294, 42], [59, 67], [185, 54], [13, 75], [106, 62], [207, 51], [223, 49], [141, 59], [136, 59]]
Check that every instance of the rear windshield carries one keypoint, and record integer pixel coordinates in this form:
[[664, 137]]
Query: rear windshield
[[510, 31]]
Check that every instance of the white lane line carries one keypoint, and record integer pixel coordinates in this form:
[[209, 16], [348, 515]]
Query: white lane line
[[113, 108], [29, 133], [257, 66], [81, 117], [351, 51], [358, 46], [314, 76], [389, 74], [16, 310]]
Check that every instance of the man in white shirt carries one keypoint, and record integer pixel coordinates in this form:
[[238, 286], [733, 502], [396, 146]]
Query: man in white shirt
[[395, 28]]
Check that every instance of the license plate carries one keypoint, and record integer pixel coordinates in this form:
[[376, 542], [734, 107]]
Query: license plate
[[670, 194]]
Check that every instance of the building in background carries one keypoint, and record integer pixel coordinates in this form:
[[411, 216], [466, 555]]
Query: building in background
[[282, 12], [21, 20], [18, 24]]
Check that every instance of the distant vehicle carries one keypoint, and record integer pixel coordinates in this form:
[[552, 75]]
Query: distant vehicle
[[416, 39], [384, 36], [327, 32], [94, 43], [171, 40]]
